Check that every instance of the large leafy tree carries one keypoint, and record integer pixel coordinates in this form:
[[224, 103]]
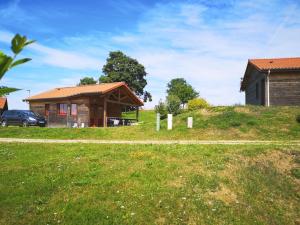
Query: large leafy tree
[[120, 67], [7, 62], [87, 81], [180, 88]]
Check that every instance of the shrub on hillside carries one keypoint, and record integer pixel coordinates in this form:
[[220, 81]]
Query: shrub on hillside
[[173, 104], [296, 172], [161, 109], [298, 118], [197, 103]]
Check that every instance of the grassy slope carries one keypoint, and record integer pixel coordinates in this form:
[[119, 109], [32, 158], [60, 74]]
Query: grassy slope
[[217, 123], [111, 184]]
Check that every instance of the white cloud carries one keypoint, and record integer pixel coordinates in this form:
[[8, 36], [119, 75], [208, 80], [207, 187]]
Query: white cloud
[[57, 57], [211, 53], [35, 87], [64, 59], [208, 46], [5, 36]]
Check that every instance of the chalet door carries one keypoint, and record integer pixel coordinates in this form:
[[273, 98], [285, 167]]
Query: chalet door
[[96, 119], [262, 92], [99, 116]]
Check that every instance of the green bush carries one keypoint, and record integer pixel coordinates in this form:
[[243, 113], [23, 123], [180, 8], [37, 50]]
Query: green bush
[[296, 173], [173, 104], [298, 118], [161, 108], [251, 123], [197, 103], [235, 124]]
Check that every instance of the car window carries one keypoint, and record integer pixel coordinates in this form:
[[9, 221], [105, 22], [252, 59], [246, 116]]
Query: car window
[[31, 113], [7, 113]]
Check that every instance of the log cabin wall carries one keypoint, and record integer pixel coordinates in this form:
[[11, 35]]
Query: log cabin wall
[[96, 111], [285, 88], [253, 91], [55, 119], [37, 107], [89, 111]]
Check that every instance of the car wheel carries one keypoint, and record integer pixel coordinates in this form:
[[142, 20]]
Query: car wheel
[[4, 123], [25, 124]]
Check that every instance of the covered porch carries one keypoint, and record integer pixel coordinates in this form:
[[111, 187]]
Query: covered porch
[[106, 110]]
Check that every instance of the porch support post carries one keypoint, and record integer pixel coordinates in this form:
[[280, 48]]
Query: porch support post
[[268, 88], [104, 112], [137, 113]]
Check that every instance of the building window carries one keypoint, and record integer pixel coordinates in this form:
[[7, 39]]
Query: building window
[[256, 91], [47, 109], [74, 109], [62, 109]]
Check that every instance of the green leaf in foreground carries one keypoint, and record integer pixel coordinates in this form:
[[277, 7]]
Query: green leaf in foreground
[[7, 90], [5, 62], [20, 61]]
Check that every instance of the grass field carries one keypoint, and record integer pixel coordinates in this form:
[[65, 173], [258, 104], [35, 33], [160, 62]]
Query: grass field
[[147, 184], [157, 184], [217, 123]]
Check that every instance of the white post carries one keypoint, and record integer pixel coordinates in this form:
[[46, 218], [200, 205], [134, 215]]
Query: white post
[[190, 122], [170, 120], [157, 122]]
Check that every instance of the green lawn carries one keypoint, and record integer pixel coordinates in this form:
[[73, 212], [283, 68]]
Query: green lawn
[[148, 184], [217, 123]]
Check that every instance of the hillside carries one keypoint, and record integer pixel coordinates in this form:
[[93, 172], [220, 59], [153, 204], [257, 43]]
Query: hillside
[[217, 123], [148, 184]]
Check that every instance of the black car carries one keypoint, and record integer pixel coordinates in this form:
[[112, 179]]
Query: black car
[[22, 118]]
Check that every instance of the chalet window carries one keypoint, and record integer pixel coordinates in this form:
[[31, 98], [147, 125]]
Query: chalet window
[[62, 109], [256, 91], [47, 109], [74, 109]]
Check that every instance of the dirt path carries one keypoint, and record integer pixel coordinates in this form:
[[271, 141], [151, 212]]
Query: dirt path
[[153, 142]]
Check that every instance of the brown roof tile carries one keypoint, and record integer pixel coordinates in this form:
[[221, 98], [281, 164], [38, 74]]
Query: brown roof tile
[[66, 92], [2, 102], [276, 63]]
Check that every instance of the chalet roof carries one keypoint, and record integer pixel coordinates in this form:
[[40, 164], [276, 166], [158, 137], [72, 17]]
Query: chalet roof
[[276, 63], [273, 64], [2, 102], [66, 92]]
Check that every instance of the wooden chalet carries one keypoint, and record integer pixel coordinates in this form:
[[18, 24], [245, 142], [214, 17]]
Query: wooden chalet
[[84, 106], [272, 81]]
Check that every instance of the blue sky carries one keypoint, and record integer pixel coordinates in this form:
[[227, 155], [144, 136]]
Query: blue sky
[[206, 42]]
